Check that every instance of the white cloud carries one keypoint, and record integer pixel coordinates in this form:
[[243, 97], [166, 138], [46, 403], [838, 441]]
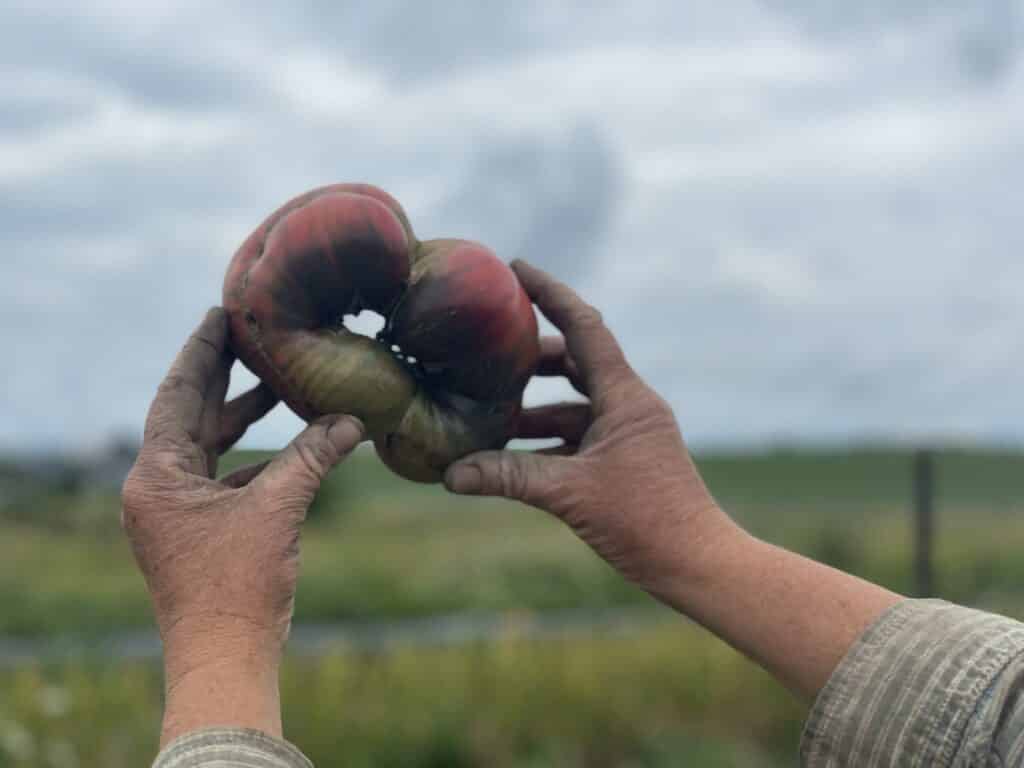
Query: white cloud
[[112, 128], [796, 226], [324, 85], [776, 274]]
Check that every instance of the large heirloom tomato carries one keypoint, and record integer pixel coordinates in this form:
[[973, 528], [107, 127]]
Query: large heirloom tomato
[[446, 375]]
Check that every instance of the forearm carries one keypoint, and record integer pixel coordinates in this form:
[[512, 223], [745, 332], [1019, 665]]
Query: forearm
[[233, 694], [223, 703], [795, 617], [220, 675]]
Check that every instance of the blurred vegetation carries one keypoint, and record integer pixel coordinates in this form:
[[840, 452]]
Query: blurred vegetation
[[378, 548], [661, 698]]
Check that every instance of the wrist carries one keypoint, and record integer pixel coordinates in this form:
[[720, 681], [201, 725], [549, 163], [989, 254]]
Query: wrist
[[201, 639], [691, 555], [221, 673], [228, 693]]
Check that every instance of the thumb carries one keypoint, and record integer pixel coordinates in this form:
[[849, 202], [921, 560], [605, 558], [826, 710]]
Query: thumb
[[518, 475], [296, 473]]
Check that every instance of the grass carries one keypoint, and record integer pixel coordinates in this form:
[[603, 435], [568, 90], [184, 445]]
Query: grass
[[380, 548], [670, 696]]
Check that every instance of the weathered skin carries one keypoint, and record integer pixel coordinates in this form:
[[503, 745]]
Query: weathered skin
[[451, 305]]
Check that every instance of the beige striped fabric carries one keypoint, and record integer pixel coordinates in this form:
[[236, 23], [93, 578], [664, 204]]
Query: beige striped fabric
[[930, 684], [230, 748]]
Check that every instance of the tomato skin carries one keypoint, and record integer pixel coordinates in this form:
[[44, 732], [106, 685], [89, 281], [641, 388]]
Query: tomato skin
[[465, 330], [466, 318]]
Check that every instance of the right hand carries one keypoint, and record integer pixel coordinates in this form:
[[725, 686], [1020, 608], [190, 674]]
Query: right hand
[[221, 556], [623, 479]]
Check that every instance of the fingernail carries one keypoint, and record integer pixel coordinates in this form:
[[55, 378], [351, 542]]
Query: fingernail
[[463, 478], [346, 433]]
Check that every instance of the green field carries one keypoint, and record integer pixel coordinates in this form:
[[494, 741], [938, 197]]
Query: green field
[[379, 549], [664, 698]]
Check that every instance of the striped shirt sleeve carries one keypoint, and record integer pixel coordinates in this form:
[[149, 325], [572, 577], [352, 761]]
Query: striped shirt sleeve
[[929, 684], [230, 748]]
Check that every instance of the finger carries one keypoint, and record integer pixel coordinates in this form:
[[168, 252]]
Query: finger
[[175, 417], [555, 361], [216, 393], [569, 421], [242, 412], [520, 475], [213, 409], [598, 355], [244, 475], [296, 474]]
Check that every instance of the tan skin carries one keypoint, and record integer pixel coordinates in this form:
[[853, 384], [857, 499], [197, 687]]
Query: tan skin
[[625, 483], [221, 557]]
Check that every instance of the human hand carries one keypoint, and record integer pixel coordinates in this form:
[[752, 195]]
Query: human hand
[[220, 557], [623, 479]]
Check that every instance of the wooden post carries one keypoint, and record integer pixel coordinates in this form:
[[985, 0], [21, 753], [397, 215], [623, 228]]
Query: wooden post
[[924, 523]]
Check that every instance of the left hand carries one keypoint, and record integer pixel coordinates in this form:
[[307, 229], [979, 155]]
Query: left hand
[[623, 480], [220, 557]]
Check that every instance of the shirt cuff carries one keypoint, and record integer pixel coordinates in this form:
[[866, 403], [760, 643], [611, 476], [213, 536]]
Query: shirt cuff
[[230, 748], [910, 687]]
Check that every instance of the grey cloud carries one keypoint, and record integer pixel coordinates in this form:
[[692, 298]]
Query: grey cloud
[[991, 41], [410, 41], [815, 302], [178, 66], [836, 17], [23, 117], [551, 201], [983, 38], [911, 305], [150, 77]]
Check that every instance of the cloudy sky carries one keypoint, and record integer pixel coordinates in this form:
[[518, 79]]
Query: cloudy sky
[[802, 217]]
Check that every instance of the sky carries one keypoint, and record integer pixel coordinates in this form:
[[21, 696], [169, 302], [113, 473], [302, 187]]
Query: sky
[[802, 218]]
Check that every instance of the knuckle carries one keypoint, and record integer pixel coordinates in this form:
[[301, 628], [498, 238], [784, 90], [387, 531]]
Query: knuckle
[[313, 455], [175, 382], [203, 337], [620, 373], [181, 383], [135, 493], [620, 392], [160, 429], [653, 400], [132, 491], [587, 317], [515, 481], [643, 410], [658, 406]]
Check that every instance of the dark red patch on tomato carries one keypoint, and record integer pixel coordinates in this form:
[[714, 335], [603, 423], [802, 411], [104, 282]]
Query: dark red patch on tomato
[[467, 331]]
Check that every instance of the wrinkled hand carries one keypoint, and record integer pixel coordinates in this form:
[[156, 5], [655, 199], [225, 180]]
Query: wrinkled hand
[[623, 478], [220, 557]]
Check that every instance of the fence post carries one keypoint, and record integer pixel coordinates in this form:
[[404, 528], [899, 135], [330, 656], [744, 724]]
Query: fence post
[[924, 522]]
